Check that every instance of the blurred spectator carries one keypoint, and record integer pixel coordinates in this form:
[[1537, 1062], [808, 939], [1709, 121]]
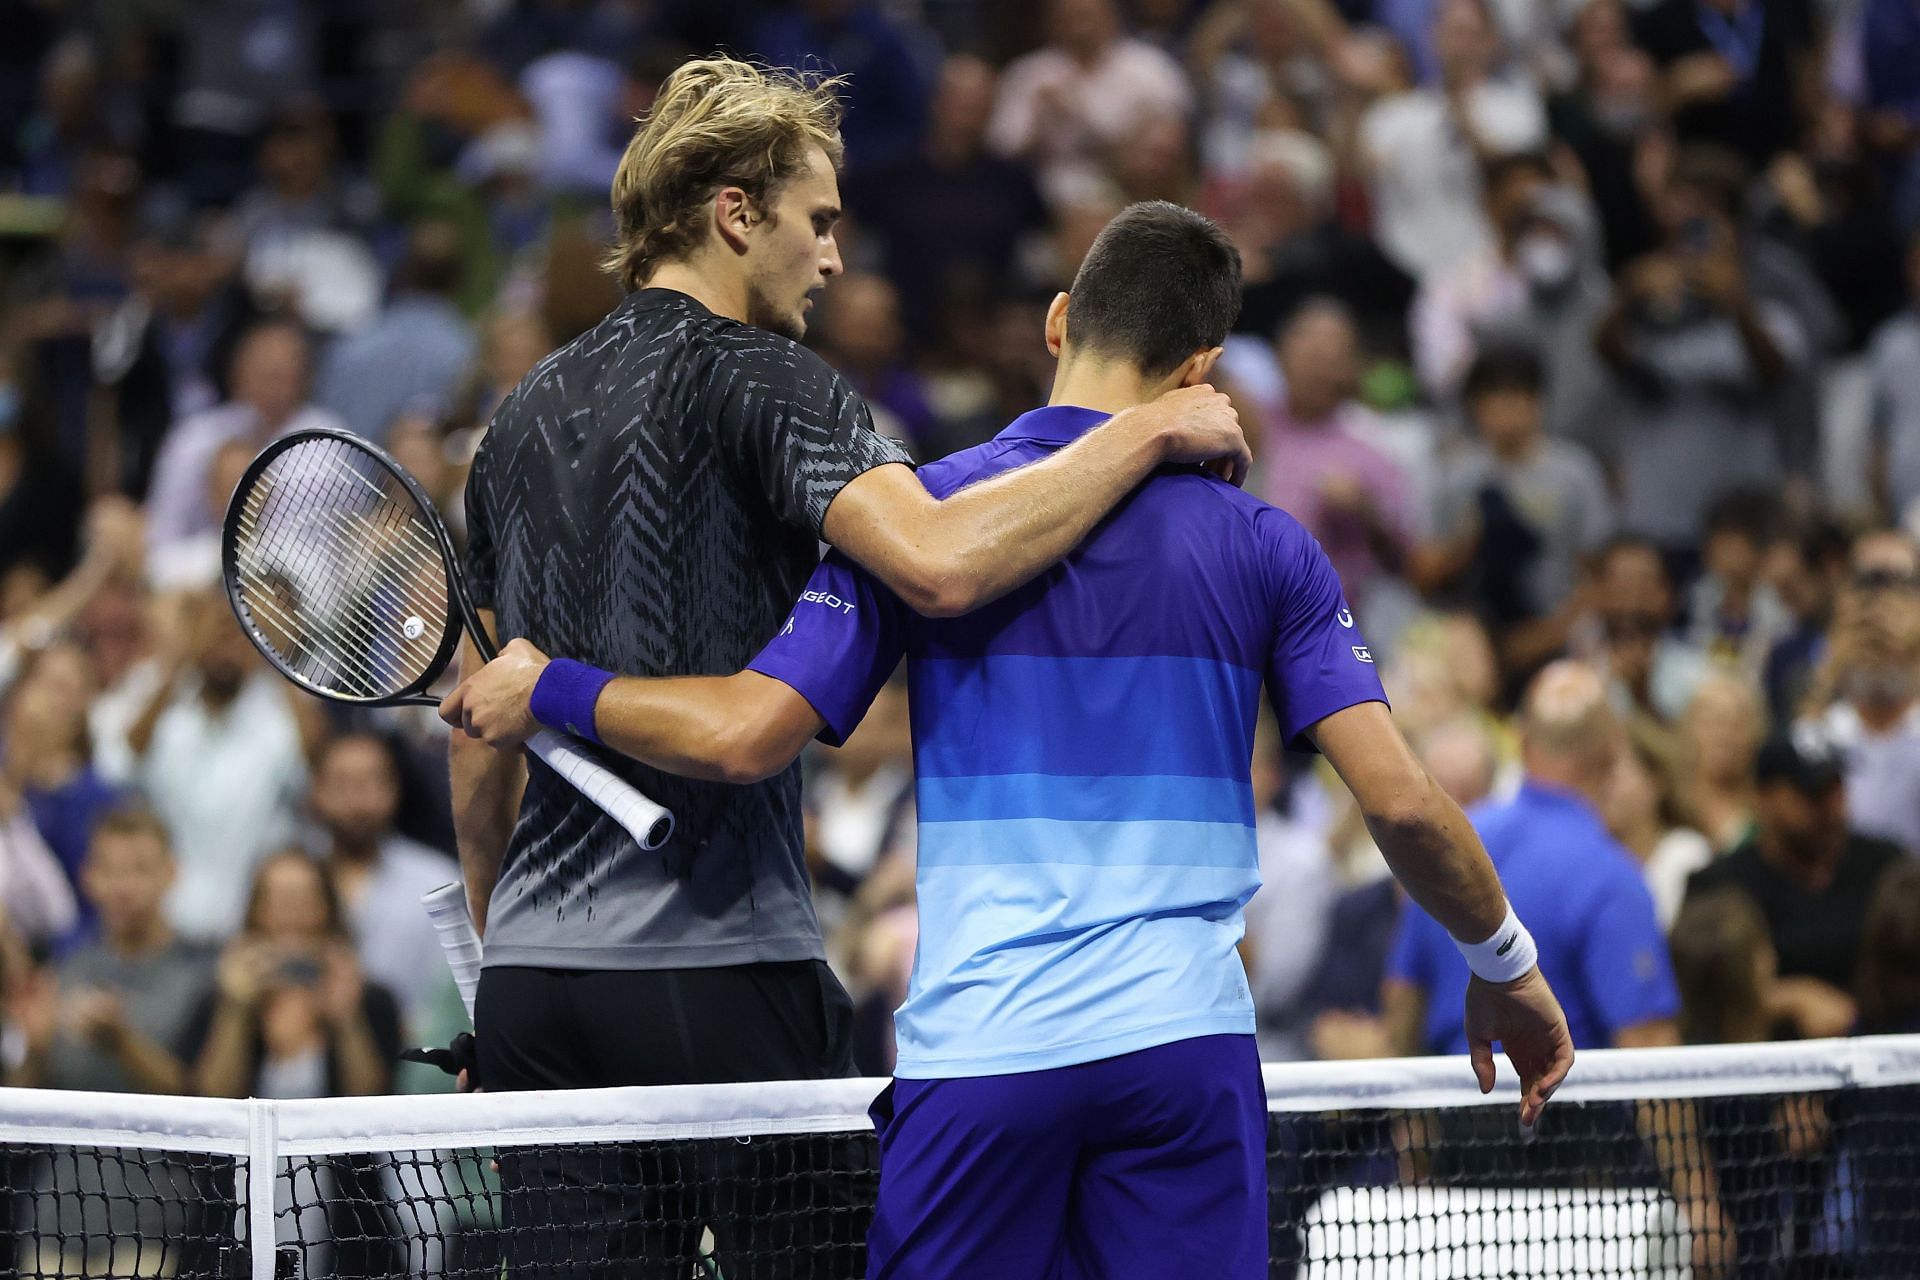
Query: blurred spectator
[[292, 1016], [1341, 995], [417, 353], [1882, 46], [377, 874], [125, 1005], [1724, 963], [1699, 364], [1518, 513], [242, 60], [1643, 814], [1812, 877], [1316, 462], [302, 188], [1286, 931], [1720, 733], [1888, 994], [1424, 149], [1628, 634], [861, 800], [1066, 107], [1872, 674], [1806, 569], [1253, 63], [220, 758], [1894, 359], [1732, 71], [1733, 614], [35, 893], [1595, 918], [1608, 120], [1538, 285], [885, 62], [860, 334], [47, 756], [948, 215], [1295, 249], [271, 370]]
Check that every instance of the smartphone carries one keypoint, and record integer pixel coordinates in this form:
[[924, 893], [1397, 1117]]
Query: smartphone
[[299, 971]]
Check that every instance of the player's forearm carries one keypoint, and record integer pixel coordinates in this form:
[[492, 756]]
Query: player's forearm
[[736, 729], [487, 786], [1434, 853], [948, 557]]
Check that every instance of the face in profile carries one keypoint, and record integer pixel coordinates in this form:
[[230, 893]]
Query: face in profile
[[793, 251]]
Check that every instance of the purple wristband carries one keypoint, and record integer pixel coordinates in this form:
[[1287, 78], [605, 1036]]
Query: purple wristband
[[564, 695]]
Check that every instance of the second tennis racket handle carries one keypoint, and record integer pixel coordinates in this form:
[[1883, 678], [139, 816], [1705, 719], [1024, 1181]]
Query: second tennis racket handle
[[647, 822], [447, 908]]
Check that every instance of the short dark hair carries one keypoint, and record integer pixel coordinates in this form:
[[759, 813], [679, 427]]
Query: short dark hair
[[1753, 514], [1160, 283], [1496, 369]]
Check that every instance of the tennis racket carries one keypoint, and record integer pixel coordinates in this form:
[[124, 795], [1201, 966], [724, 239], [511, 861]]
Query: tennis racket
[[342, 573]]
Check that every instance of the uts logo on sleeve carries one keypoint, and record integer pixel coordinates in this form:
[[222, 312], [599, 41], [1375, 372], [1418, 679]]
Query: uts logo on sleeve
[[828, 599], [1344, 618], [1363, 653]]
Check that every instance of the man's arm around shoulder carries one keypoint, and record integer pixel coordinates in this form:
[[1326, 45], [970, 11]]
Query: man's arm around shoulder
[[946, 557]]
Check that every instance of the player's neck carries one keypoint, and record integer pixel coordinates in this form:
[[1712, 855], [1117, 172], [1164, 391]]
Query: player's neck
[[1108, 388], [717, 294]]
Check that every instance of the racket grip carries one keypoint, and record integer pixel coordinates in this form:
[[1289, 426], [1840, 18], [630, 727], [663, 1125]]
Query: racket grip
[[447, 908], [647, 822]]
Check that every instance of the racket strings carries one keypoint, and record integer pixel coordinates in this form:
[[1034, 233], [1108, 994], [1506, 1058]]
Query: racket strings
[[340, 571]]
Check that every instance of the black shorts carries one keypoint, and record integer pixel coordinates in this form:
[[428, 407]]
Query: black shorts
[[776, 1208]]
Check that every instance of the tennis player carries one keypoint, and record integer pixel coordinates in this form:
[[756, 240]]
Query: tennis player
[[1077, 1090], [651, 499]]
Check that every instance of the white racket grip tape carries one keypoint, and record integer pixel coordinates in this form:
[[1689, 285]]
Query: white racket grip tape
[[447, 908], [645, 821]]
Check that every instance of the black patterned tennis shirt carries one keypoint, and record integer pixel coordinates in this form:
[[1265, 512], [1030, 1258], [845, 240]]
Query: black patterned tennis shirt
[[649, 500]]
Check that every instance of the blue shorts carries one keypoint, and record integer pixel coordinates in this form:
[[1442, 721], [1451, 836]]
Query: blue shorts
[[1149, 1165]]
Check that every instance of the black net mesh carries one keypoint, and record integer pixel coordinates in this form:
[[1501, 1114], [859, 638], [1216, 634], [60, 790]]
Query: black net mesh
[[117, 1211], [1778, 1186]]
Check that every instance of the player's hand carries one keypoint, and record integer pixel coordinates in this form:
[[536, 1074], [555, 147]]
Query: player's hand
[[494, 704], [1525, 1018], [1198, 425]]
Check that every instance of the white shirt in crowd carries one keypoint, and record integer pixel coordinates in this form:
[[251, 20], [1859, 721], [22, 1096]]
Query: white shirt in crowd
[[1064, 117], [1883, 774], [395, 940], [177, 500], [34, 893], [229, 786], [1426, 177]]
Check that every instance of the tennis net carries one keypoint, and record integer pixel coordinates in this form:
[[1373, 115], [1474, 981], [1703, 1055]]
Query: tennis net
[[1795, 1160]]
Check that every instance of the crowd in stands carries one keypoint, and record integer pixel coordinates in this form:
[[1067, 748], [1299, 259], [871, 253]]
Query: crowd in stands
[[1577, 331]]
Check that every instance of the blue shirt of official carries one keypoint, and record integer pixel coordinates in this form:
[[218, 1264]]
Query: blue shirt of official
[[1581, 895]]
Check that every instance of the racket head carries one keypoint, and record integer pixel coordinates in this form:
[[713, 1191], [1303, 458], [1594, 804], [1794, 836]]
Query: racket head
[[341, 572]]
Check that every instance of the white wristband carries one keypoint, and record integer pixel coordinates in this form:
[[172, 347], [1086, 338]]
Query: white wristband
[[1507, 955]]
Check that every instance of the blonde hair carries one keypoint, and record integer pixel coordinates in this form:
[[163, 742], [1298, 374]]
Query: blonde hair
[[717, 122]]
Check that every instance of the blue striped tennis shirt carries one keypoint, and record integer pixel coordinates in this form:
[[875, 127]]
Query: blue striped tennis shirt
[[1081, 751]]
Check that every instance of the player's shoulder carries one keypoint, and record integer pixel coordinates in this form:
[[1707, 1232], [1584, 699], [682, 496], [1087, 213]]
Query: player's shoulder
[[744, 355]]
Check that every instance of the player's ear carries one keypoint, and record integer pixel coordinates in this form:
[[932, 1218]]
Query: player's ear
[[733, 217], [1199, 367], [1056, 324]]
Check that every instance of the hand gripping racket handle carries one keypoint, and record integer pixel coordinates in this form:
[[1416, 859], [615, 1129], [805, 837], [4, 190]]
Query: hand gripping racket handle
[[645, 821], [447, 908]]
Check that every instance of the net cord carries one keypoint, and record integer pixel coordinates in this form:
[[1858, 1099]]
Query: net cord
[[336, 1126]]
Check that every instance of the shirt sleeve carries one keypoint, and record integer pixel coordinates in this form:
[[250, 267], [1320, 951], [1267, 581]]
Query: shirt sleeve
[[842, 642], [483, 566], [799, 431], [1624, 966], [1320, 663]]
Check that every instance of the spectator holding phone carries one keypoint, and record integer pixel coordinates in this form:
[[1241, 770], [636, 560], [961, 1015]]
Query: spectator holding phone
[[292, 1017]]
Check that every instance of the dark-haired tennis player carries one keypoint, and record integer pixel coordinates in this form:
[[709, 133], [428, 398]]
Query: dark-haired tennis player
[[1077, 1090]]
